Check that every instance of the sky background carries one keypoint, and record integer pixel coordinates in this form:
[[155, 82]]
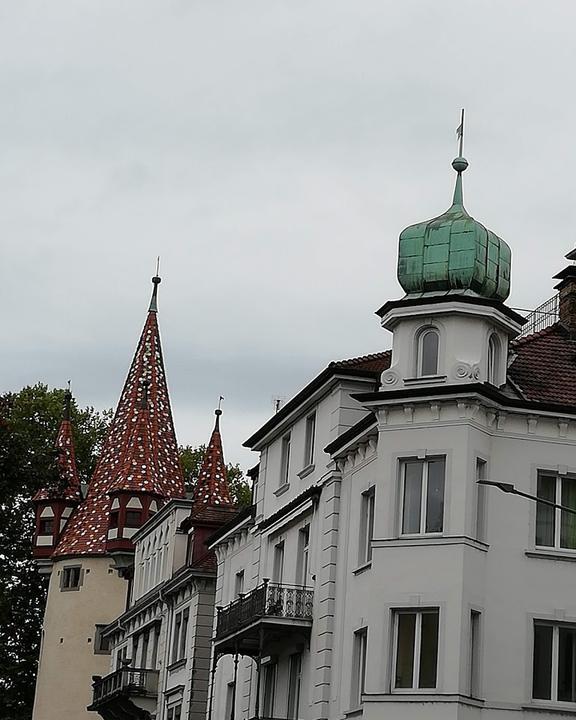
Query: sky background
[[270, 151]]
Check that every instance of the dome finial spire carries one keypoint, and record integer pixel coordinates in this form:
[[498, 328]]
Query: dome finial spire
[[459, 164], [218, 412]]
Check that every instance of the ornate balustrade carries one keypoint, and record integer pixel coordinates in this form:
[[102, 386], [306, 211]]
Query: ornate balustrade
[[269, 600], [125, 681]]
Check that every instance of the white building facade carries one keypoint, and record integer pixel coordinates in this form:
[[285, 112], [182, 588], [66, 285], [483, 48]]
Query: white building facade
[[374, 577]]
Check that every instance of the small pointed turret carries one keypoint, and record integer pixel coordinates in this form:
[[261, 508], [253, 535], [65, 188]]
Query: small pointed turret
[[212, 485], [54, 504], [213, 505]]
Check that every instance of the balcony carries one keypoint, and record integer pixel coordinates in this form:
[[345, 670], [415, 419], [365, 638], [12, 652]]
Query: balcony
[[126, 694], [268, 612]]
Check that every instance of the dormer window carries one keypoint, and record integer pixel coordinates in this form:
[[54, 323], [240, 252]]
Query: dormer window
[[428, 345], [46, 526], [494, 360]]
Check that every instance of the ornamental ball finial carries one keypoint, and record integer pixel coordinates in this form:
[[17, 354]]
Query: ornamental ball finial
[[459, 164]]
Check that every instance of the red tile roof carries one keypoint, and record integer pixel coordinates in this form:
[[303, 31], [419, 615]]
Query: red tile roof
[[544, 366], [211, 489], [85, 532], [69, 488], [374, 363]]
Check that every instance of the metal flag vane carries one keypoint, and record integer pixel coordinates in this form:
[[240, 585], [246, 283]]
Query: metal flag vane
[[460, 134], [158, 262]]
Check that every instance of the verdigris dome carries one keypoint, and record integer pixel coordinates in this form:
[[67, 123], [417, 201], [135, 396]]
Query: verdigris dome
[[454, 252]]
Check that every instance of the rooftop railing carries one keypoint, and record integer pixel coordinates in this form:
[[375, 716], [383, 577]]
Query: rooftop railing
[[125, 680], [541, 317], [271, 600]]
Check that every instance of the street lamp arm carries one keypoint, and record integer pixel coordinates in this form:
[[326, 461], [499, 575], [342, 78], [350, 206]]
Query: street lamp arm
[[509, 488]]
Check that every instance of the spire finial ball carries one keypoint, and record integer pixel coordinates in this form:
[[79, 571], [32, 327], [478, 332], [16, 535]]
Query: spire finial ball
[[459, 164], [156, 280], [218, 412]]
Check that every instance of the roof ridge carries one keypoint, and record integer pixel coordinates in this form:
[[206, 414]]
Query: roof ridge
[[538, 334], [361, 358]]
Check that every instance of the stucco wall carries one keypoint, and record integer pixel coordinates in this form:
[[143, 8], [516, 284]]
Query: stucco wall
[[67, 659]]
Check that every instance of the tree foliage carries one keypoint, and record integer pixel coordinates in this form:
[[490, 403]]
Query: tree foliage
[[191, 460], [29, 421]]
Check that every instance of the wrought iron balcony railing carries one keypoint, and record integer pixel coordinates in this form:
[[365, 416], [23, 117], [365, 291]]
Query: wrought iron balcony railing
[[269, 600], [126, 681]]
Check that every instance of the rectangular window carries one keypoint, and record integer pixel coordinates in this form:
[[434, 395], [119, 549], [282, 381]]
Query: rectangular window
[[358, 667], [416, 648], [554, 664], [474, 653], [230, 690], [155, 641], [46, 526], [239, 584], [480, 524], [175, 712], [285, 461], [278, 567], [269, 690], [142, 662], [554, 527], [310, 440], [303, 552], [423, 496], [101, 644], [294, 680], [71, 577], [366, 526], [183, 634], [133, 518], [176, 637]]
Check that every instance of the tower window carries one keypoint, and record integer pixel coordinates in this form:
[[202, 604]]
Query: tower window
[[494, 360], [133, 518], [428, 345], [47, 526], [71, 577]]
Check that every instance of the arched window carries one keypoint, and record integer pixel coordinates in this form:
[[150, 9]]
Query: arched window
[[494, 360], [428, 343]]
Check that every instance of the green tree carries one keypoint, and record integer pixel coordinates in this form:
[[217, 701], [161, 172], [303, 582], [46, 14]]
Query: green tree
[[191, 461], [29, 421]]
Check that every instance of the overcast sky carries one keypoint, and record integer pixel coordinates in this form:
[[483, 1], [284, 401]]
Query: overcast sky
[[270, 151]]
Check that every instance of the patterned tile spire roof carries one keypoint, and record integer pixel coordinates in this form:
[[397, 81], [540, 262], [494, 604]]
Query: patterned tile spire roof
[[212, 487], [85, 533], [68, 487]]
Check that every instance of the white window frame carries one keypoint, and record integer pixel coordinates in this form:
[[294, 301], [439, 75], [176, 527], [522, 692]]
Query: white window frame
[[310, 440], [423, 497], [494, 355], [475, 653], [239, 583], [368, 501], [554, 670], [303, 559], [286, 448], [557, 512], [359, 664], [420, 354], [417, 649]]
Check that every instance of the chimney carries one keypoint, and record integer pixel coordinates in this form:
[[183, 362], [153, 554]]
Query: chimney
[[567, 295]]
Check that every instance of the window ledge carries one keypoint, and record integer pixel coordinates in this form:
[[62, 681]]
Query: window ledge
[[430, 540], [176, 665], [558, 708], [552, 554], [426, 380], [282, 489], [354, 712], [419, 696], [306, 471], [362, 568]]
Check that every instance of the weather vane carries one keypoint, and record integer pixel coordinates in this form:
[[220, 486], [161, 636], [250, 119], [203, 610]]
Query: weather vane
[[460, 134], [158, 266]]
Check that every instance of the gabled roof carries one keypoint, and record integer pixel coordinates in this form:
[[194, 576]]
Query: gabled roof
[[68, 487], [365, 366], [544, 366], [85, 532]]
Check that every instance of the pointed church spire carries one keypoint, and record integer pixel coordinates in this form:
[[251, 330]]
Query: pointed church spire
[[459, 164], [212, 486], [145, 385]]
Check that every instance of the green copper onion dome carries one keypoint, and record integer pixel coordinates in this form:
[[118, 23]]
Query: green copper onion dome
[[454, 252]]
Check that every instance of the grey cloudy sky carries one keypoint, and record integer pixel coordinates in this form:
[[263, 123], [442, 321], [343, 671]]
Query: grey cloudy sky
[[270, 151]]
